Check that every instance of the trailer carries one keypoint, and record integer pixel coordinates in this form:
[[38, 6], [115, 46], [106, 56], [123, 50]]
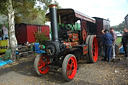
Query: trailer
[[25, 32], [101, 24], [68, 44]]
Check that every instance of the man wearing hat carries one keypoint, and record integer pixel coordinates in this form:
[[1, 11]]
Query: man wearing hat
[[107, 41]]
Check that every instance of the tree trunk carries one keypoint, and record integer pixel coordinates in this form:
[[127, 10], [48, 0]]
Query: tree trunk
[[12, 37]]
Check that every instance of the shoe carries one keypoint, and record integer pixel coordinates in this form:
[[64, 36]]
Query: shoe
[[109, 60], [104, 60], [113, 57], [113, 60]]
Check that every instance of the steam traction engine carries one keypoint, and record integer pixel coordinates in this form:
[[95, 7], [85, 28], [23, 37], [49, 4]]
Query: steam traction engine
[[68, 44]]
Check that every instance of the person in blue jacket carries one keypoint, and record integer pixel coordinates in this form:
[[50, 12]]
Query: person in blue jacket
[[107, 40]]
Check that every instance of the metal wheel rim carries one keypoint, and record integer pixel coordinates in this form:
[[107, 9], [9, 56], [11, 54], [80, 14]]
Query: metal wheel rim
[[71, 67], [43, 64]]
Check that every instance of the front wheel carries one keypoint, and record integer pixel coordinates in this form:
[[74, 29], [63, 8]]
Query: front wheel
[[41, 64], [69, 67]]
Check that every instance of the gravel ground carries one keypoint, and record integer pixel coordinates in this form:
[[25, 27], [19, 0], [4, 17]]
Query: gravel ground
[[100, 73]]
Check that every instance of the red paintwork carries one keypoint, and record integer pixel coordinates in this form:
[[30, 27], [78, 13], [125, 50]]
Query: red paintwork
[[31, 29], [45, 29], [43, 64], [95, 49], [84, 34], [84, 28], [25, 32], [71, 67], [70, 44], [85, 50], [75, 37]]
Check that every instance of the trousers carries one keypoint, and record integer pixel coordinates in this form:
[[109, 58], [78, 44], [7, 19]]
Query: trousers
[[125, 49], [108, 50], [113, 51]]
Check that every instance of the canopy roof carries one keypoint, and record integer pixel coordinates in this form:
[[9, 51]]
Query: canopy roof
[[70, 16]]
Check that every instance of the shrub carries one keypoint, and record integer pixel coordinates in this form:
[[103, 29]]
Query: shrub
[[40, 37]]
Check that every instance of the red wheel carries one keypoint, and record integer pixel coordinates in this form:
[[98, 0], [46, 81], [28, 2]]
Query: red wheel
[[69, 67], [93, 49], [41, 64]]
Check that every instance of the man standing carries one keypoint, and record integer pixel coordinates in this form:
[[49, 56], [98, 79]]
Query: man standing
[[125, 42], [114, 42], [0, 34], [107, 41], [5, 32]]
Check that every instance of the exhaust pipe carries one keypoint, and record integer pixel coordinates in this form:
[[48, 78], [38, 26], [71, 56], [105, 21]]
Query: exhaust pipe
[[53, 19]]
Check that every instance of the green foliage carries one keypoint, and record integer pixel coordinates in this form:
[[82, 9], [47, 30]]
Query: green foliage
[[26, 12], [3, 7], [40, 37], [45, 3], [119, 27]]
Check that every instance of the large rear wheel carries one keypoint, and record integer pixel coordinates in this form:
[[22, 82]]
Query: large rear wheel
[[41, 64], [92, 44], [93, 49], [87, 42], [69, 67]]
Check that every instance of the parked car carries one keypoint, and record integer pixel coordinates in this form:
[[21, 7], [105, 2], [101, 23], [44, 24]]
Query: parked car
[[118, 34]]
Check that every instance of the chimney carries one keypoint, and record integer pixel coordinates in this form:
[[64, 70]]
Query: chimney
[[53, 18]]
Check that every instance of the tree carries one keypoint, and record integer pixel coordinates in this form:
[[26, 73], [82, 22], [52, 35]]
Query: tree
[[46, 3], [119, 27], [25, 11], [8, 10], [22, 11], [44, 10]]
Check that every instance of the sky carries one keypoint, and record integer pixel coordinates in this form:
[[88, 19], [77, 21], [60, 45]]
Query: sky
[[114, 10]]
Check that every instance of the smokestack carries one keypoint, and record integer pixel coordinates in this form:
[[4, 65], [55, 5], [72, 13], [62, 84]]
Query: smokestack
[[53, 18]]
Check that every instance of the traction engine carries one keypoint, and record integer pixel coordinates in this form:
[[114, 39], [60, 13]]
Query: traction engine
[[68, 44]]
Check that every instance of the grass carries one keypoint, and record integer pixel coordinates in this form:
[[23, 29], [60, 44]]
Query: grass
[[119, 39]]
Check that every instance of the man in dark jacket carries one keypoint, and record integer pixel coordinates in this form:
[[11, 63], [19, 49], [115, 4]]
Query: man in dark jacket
[[125, 42], [107, 41]]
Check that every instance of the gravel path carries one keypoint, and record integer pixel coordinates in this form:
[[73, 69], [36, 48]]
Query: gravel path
[[100, 73]]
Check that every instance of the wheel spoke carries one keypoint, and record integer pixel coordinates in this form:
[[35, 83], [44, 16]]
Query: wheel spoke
[[43, 65], [44, 68], [40, 67], [72, 63], [93, 51], [69, 72], [41, 61], [71, 67]]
